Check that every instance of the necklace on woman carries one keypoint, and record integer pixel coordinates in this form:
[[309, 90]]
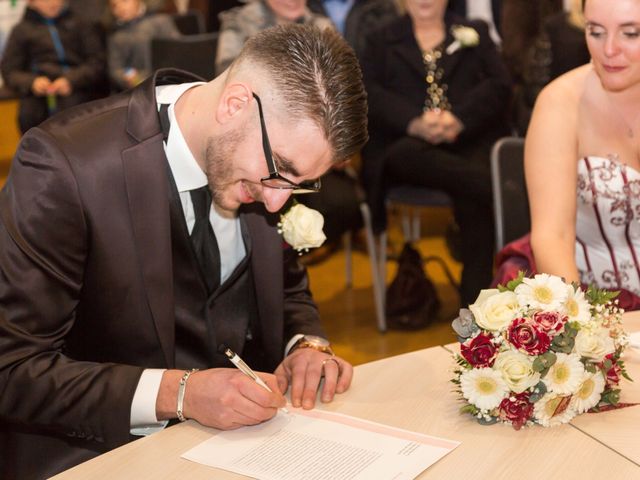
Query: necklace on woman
[[629, 126]]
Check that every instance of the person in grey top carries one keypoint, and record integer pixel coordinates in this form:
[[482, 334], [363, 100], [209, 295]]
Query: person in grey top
[[240, 23], [129, 43]]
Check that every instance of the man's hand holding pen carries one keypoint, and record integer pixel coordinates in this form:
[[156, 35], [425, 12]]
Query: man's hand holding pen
[[228, 398], [223, 398]]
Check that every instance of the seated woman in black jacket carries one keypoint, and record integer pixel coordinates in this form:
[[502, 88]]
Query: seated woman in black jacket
[[438, 99]]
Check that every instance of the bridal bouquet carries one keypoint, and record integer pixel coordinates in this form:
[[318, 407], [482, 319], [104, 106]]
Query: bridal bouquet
[[539, 351]]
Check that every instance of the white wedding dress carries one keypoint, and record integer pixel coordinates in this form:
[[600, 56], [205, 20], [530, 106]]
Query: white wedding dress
[[608, 223]]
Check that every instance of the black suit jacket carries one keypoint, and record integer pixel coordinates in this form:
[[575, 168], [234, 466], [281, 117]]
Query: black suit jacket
[[479, 90], [86, 283]]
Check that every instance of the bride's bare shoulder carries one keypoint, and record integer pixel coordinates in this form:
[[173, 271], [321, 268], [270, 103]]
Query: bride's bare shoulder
[[568, 88]]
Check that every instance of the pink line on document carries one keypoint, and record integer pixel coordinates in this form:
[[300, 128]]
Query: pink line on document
[[378, 428]]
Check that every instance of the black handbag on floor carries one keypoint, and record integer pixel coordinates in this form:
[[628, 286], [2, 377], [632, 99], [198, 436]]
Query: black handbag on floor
[[411, 300]]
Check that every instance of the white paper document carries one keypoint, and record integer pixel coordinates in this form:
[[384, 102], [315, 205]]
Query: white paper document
[[319, 445]]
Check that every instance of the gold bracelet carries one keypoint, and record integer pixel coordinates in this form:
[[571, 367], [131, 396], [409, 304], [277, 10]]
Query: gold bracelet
[[181, 390]]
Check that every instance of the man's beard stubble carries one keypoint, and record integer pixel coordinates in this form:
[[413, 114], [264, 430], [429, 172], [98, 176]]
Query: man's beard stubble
[[218, 164]]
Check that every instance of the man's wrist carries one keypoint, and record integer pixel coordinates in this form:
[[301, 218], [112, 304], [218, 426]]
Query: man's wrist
[[168, 394], [312, 341]]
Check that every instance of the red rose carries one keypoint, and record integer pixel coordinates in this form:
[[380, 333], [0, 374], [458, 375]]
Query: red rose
[[550, 321], [613, 374], [516, 409], [479, 351], [527, 336]]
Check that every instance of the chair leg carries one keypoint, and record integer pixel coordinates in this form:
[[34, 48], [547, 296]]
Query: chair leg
[[406, 224], [348, 257], [377, 280], [415, 225]]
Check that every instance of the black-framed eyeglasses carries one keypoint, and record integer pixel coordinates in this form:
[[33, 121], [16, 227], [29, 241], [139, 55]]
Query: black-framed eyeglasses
[[274, 179]]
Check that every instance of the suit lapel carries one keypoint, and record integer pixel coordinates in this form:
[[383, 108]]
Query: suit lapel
[[147, 194]]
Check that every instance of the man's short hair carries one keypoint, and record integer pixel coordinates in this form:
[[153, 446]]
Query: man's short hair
[[316, 75]]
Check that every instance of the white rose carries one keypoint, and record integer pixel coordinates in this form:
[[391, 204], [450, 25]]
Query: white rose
[[301, 227], [467, 36], [464, 37], [495, 310], [517, 370], [594, 343]]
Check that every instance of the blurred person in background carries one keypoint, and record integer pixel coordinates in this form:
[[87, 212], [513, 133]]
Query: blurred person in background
[[354, 19], [53, 60], [129, 42], [438, 97]]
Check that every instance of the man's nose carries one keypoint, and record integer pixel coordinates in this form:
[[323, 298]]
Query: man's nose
[[275, 198]]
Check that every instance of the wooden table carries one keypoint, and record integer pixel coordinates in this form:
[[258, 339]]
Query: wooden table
[[413, 391], [620, 429]]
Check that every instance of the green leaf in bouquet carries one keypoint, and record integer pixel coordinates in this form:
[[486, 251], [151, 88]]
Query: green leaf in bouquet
[[538, 392], [487, 421], [511, 285], [597, 296], [543, 362], [469, 408], [606, 365], [590, 367], [610, 397], [563, 343], [623, 370]]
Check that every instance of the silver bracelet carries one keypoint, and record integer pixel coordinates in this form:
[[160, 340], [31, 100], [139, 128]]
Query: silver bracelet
[[181, 389]]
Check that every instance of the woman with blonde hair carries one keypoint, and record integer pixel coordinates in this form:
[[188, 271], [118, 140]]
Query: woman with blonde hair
[[438, 97], [582, 159]]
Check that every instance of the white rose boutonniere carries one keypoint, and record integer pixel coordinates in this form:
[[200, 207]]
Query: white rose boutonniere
[[464, 37], [301, 227]]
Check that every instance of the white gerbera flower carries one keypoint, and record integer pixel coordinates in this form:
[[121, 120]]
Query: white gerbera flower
[[576, 306], [565, 376], [553, 409], [544, 292], [483, 387], [589, 392]]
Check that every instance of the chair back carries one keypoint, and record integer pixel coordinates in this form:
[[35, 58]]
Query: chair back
[[189, 23], [510, 201], [193, 53]]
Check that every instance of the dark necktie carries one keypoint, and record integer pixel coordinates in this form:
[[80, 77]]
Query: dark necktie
[[204, 240]]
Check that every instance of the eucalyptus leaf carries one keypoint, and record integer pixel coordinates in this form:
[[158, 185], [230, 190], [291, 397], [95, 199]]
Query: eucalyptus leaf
[[484, 421], [538, 392]]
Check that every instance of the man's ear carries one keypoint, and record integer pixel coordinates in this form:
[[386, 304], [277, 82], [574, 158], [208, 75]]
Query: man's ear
[[234, 99]]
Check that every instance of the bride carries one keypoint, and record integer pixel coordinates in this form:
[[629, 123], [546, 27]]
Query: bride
[[582, 158]]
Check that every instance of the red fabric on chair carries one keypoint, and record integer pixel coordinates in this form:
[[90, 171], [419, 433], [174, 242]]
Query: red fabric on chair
[[517, 256]]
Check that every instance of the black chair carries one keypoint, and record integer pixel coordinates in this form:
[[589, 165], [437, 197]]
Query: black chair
[[193, 53], [510, 201], [189, 23]]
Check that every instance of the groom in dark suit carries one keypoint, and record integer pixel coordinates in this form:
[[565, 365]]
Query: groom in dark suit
[[119, 277]]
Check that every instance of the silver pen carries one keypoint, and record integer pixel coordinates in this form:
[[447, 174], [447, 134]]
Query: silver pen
[[246, 369]]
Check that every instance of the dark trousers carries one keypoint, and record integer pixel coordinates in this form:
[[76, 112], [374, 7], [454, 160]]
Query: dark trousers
[[411, 161], [33, 110]]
